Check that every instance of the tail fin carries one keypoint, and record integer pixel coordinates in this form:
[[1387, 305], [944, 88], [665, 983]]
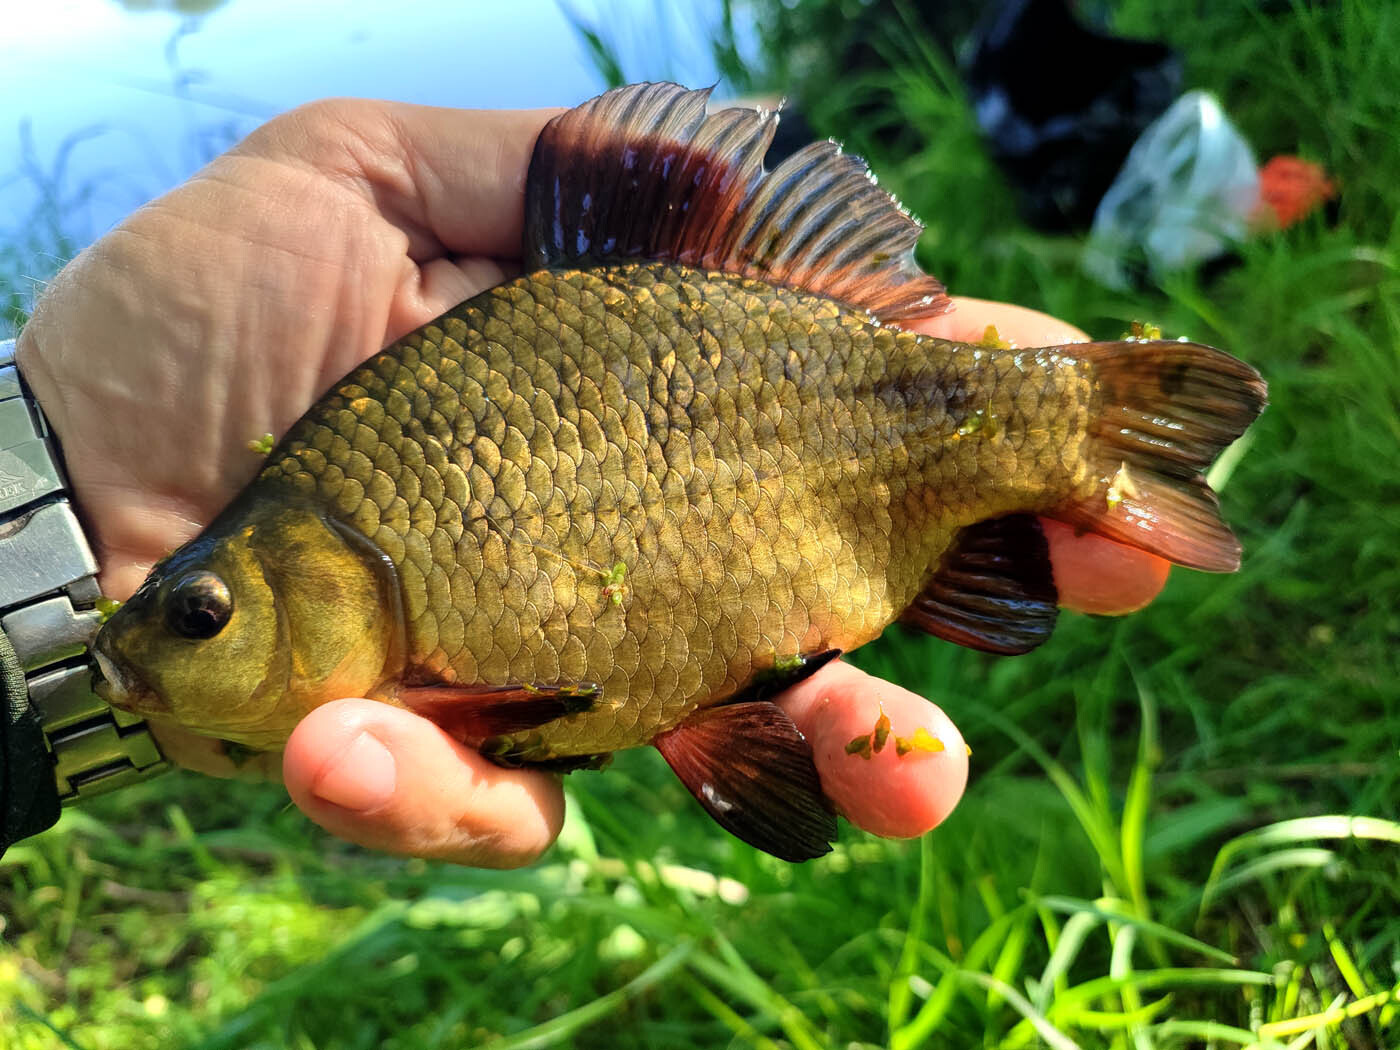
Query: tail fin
[[1166, 410]]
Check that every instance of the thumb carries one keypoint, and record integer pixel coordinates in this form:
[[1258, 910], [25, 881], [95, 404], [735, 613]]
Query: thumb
[[392, 781], [452, 180]]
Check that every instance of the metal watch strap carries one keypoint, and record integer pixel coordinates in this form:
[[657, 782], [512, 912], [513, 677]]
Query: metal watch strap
[[48, 592]]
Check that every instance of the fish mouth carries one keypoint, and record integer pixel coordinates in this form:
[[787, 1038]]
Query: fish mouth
[[122, 688]]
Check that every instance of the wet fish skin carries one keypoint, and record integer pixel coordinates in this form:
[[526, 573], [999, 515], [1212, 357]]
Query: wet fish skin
[[776, 474]]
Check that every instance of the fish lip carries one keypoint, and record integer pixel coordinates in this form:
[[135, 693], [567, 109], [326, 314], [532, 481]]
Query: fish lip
[[120, 686]]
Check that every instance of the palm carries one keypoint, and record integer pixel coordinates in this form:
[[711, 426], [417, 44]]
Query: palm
[[157, 425]]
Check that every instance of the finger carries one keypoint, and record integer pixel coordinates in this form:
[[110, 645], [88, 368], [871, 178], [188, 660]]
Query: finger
[[1092, 574], [431, 289], [897, 796], [452, 179], [392, 781], [1019, 325], [1096, 575]]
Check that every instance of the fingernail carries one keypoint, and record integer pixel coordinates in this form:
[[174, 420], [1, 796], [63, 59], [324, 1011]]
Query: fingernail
[[362, 777]]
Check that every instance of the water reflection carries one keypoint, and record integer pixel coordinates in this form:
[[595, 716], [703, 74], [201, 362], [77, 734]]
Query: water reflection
[[106, 103], [181, 7]]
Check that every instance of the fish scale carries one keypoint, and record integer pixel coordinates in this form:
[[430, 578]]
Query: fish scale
[[790, 494]]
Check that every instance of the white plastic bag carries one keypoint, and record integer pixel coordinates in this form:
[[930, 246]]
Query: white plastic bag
[[1184, 195]]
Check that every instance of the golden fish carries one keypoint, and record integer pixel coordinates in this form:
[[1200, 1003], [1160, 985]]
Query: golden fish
[[677, 465]]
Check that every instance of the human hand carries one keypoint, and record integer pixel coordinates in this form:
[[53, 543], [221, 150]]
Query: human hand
[[224, 309]]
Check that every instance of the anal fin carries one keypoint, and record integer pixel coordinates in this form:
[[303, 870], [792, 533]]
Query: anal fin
[[994, 589], [475, 713], [752, 770]]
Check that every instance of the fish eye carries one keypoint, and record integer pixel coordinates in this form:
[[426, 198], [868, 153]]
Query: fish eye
[[198, 606]]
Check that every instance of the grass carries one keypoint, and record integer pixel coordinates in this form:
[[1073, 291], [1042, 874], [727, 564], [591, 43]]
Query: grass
[[1182, 828]]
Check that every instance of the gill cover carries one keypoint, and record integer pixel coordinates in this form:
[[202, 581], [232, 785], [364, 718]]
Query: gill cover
[[271, 612]]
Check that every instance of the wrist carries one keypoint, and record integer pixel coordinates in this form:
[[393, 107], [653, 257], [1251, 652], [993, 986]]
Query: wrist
[[48, 596]]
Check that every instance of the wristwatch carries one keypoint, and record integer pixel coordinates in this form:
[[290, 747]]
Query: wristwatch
[[48, 598]]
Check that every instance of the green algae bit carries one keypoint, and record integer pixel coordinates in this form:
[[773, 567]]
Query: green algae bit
[[1143, 331], [992, 339], [787, 664], [613, 586]]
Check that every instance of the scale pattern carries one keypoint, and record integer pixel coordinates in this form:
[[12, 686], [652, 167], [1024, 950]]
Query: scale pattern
[[774, 474]]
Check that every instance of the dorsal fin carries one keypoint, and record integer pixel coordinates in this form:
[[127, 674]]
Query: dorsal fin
[[642, 172]]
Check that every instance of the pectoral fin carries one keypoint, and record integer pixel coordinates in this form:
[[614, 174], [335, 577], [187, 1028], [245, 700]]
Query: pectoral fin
[[994, 590], [784, 674], [752, 770], [475, 713]]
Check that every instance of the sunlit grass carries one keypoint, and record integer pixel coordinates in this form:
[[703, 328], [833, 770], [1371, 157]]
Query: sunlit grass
[[1182, 826]]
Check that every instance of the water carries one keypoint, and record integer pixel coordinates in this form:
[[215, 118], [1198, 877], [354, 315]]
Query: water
[[103, 106]]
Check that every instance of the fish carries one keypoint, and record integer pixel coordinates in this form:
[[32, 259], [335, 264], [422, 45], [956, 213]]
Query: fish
[[689, 456]]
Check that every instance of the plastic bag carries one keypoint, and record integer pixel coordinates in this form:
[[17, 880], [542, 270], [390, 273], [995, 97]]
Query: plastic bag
[[1186, 194]]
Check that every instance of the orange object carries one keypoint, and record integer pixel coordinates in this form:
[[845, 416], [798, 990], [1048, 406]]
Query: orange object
[[1290, 188]]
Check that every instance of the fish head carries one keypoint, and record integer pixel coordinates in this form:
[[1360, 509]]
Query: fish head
[[272, 611]]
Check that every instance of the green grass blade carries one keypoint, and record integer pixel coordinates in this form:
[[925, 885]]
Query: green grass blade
[[735, 975], [1210, 1031], [1043, 1028], [1095, 823], [1114, 1021], [735, 1022], [1106, 911], [1012, 955], [1346, 966], [901, 996], [1146, 980], [553, 1031], [1288, 832], [1332, 1016], [1136, 803], [1077, 927], [932, 1013]]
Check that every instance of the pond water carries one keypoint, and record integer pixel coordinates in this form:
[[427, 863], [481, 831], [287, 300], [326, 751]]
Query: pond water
[[103, 105]]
